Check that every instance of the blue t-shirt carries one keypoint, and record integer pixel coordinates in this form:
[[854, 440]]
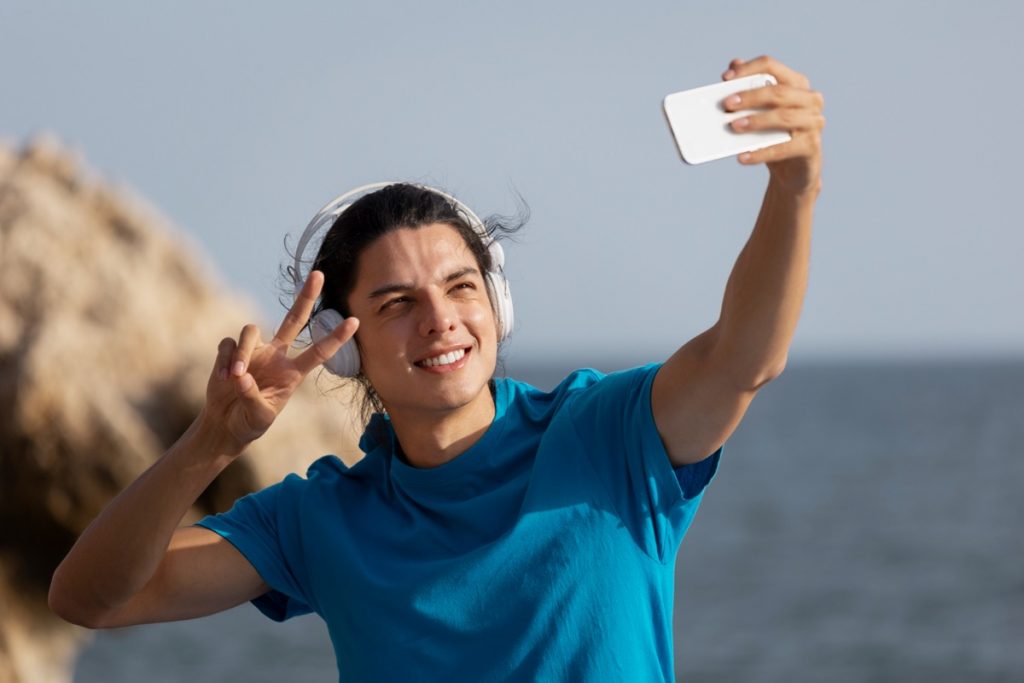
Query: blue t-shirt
[[546, 551]]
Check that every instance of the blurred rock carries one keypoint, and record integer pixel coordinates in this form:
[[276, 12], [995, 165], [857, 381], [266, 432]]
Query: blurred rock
[[109, 324]]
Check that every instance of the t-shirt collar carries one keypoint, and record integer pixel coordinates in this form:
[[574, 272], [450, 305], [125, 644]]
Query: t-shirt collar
[[380, 435]]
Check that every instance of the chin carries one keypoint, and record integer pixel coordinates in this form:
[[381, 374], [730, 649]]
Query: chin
[[427, 392], [461, 393]]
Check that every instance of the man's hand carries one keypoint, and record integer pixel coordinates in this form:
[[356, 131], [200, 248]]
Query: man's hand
[[791, 106], [252, 381]]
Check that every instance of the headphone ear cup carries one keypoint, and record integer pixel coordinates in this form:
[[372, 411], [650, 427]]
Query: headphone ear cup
[[499, 288], [502, 304], [344, 363]]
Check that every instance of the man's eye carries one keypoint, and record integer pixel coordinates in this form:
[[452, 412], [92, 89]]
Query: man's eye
[[390, 303], [465, 286]]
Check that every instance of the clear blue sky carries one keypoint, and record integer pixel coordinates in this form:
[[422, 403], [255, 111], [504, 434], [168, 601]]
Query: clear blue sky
[[238, 120]]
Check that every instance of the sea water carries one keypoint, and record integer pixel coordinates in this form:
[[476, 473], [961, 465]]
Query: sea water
[[866, 524]]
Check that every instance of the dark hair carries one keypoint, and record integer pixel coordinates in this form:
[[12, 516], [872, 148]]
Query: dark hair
[[372, 216]]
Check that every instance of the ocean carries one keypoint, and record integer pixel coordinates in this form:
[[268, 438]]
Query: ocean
[[866, 524]]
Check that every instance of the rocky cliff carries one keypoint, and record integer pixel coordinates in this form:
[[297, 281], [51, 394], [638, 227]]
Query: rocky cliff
[[109, 324]]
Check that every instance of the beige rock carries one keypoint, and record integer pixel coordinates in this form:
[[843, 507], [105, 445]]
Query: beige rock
[[109, 324]]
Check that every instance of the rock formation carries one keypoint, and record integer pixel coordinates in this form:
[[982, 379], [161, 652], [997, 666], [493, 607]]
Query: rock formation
[[109, 324]]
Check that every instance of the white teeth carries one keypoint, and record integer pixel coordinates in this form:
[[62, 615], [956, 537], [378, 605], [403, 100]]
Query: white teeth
[[444, 358]]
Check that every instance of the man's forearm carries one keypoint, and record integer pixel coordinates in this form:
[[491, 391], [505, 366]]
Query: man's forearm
[[765, 291], [120, 551]]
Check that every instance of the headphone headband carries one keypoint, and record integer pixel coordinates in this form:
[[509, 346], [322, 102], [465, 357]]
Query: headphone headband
[[337, 206]]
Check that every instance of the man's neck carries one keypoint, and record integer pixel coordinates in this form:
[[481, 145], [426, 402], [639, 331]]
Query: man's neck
[[429, 440]]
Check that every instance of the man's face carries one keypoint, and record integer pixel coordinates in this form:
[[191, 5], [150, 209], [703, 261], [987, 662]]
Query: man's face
[[427, 335]]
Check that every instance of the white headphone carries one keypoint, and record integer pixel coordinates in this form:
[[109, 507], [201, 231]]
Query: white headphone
[[345, 363]]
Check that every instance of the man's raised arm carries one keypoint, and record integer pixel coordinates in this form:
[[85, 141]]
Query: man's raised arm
[[702, 392]]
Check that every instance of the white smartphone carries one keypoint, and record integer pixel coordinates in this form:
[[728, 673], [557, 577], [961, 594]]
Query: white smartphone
[[700, 123]]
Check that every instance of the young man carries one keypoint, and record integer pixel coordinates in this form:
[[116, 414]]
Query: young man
[[492, 531]]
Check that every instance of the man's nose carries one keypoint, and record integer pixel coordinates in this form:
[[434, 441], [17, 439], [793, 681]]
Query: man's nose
[[437, 315]]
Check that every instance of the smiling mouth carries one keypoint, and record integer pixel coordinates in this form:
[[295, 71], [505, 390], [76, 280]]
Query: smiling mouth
[[445, 361]]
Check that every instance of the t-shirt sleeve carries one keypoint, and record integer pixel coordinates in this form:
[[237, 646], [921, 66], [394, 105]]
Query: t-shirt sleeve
[[254, 526], [656, 501]]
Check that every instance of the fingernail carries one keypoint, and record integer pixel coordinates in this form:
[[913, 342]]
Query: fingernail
[[745, 156], [728, 74], [238, 368], [733, 101], [741, 123]]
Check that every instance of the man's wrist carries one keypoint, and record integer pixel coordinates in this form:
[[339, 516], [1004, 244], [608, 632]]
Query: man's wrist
[[799, 195], [211, 440]]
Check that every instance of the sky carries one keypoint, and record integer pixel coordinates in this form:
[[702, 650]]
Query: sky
[[237, 121]]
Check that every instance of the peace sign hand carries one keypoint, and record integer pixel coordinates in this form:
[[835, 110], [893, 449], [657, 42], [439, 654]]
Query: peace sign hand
[[252, 381], [791, 106]]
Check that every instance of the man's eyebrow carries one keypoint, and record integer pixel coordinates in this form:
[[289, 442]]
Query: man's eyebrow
[[469, 270], [388, 289], [404, 287]]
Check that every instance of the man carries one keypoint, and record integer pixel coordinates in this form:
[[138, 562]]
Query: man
[[492, 531]]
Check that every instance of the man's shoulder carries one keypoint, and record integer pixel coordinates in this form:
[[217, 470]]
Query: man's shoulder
[[585, 379], [615, 393], [574, 379], [523, 394], [330, 472]]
